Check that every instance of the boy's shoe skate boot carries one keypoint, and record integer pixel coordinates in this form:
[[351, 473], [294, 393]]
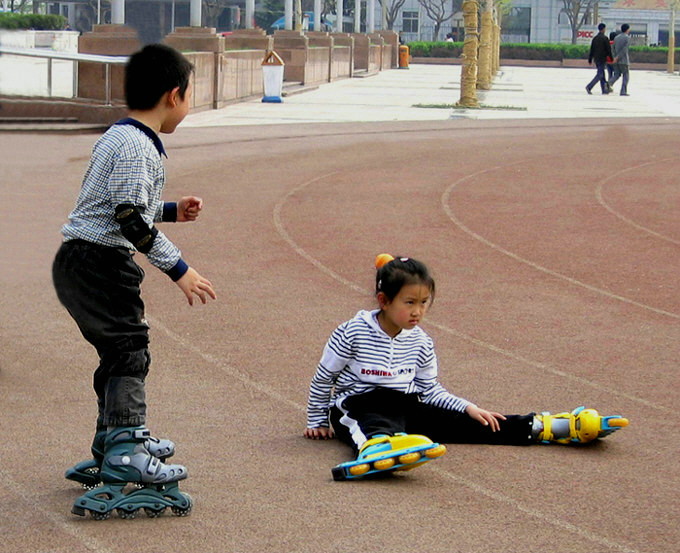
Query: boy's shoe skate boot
[[389, 453], [580, 426], [87, 472], [126, 460]]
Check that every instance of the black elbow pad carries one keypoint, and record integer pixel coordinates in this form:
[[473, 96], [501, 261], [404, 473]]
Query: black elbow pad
[[134, 227]]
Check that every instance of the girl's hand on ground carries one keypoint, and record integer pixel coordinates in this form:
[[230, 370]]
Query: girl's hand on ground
[[188, 209], [192, 284], [486, 418], [319, 433]]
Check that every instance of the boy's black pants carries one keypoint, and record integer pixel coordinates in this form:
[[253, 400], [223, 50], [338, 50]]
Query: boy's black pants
[[385, 411], [100, 288]]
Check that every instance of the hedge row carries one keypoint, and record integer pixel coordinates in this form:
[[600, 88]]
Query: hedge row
[[35, 21], [553, 52]]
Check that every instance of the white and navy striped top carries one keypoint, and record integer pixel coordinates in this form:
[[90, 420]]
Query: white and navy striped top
[[125, 168], [360, 357]]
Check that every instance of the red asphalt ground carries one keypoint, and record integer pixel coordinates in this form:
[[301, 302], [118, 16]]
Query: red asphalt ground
[[555, 248]]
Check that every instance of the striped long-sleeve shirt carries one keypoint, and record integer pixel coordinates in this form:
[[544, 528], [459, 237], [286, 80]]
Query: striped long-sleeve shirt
[[125, 168], [359, 357]]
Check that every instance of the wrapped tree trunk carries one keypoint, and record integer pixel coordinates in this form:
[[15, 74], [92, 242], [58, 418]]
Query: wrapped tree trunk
[[496, 48], [468, 77], [485, 72]]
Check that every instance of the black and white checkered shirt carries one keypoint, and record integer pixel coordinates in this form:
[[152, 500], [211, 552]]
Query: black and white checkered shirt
[[125, 168]]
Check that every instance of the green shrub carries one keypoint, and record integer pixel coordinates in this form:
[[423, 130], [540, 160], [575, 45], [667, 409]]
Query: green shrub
[[541, 52], [34, 21]]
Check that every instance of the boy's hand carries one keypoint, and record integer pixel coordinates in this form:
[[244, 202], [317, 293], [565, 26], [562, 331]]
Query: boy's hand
[[319, 433], [188, 209], [192, 283], [486, 418]]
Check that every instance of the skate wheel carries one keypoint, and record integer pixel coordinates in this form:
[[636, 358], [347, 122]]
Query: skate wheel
[[358, 470], [100, 516], [154, 513], [409, 458], [181, 511], [435, 452], [384, 464], [127, 514]]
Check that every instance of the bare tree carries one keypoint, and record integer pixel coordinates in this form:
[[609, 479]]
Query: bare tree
[[391, 9], [578, 12], [440, 11]]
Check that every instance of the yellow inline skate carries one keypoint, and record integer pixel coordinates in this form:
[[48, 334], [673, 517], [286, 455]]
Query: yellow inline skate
[[389, 453], [581, 426]]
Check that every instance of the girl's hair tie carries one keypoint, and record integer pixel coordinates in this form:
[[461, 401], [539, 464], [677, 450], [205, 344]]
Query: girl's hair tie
[[383, 259]]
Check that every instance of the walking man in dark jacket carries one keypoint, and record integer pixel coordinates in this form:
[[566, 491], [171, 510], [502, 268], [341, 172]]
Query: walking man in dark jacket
[[600, 50]]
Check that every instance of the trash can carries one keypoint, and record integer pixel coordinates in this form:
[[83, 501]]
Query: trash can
[[404, 55], [272, 75]]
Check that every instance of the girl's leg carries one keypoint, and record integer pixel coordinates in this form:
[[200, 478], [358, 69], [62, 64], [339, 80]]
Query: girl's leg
[[381, 411], [442, 425]]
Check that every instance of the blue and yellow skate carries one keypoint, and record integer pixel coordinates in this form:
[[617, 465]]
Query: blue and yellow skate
[[580, 426], [389, 453]]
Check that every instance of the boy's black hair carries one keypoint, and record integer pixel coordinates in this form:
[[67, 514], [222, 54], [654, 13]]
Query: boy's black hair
[[153, 71], [625, 27], [601, 27], [401, 271]]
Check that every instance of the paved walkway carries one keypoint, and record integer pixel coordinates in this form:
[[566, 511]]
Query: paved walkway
[[517, 93]]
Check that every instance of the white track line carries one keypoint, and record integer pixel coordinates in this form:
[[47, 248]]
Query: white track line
[[600, 199], [56, 520], [535, 364], [455, 220], [497, 496], [189, 346]]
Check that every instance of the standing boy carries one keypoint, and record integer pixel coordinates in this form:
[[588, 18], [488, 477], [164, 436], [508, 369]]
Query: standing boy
[[600, 50], [98, 281]]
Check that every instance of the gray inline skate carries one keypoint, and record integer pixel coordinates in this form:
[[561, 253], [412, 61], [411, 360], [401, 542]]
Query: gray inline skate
[[86, 473], [127, 461]]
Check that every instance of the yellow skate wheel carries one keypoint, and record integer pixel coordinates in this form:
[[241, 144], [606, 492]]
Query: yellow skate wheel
[[618, 423], [358, 470], [408, 458], [435, 452], [384, 464]]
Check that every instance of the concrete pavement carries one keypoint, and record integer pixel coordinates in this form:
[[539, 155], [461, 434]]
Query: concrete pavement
[[517, 93]]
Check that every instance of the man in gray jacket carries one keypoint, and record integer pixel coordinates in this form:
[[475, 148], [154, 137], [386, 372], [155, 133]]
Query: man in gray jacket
[[621, 60]]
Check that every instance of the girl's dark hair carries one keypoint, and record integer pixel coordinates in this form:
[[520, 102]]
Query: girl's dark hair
[[401, 271], [153, 71]]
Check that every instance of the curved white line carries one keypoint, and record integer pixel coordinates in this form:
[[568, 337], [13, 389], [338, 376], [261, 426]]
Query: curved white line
[[455, 220], [364, 292], [600, 199]]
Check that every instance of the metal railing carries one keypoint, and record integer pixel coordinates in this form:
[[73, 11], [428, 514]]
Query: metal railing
[[50, 55]]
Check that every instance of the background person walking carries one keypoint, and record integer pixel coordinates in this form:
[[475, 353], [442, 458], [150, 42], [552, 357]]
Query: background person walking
[[621, 60], [600, 50]]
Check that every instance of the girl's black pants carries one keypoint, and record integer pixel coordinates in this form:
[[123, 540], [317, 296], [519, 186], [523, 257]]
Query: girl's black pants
[[385, 411]]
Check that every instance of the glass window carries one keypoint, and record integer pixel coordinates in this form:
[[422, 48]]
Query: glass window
[[409, 22]]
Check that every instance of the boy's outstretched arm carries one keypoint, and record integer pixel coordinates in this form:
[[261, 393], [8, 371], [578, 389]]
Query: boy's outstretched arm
[[191, 283]]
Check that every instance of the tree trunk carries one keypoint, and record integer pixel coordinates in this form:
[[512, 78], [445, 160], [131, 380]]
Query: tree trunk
[[485, 45], [670, 68], [468, 78]]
